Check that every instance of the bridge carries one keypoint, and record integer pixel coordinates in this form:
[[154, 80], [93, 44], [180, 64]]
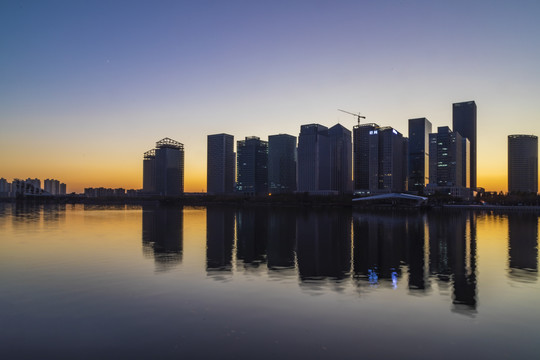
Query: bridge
[[392, 199]]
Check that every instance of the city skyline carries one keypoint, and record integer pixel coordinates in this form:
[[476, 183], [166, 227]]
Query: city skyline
[[85, 86]]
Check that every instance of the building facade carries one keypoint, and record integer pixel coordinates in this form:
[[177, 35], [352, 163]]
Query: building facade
[[281, 163], [387, 161], [418, 156], [340, 159], [448, 160], [163, 169], [361, 155], [464, 122], [523, 163], [220, 164], [313, 158], [252, 166]]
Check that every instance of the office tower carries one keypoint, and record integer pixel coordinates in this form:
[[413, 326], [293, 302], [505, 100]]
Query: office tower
[[313, 158], [464, 122], [281, 163], [361, 155], [63, 189], [466, 162], [523, 163], [252, 166], [220, 164], [340, 159], [448, 158], [387, 161], [419, 130], [149, 172], [163, 168]]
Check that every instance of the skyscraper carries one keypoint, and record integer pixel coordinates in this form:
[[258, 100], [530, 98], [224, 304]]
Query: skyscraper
[[313, 158], [340, 159], [220, 164], [418, 157], [361, 155], [387, 160], [163, 168], [448, 158], [523, 163], [252, 166], [464, 122], [281, 163]]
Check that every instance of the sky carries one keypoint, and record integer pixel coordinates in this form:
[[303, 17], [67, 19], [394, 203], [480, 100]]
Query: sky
[[86, 87]]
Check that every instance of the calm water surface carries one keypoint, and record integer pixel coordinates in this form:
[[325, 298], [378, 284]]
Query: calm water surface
[[168, 282]]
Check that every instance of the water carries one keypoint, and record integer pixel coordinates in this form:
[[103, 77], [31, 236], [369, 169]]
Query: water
[[166, 282]]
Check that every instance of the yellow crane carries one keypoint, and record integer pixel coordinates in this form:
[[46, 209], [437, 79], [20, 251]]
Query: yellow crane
[[358, 116]]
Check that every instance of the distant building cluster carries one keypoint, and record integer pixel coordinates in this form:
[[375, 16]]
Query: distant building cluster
[[19, 187], [372, 159], [108, 192]]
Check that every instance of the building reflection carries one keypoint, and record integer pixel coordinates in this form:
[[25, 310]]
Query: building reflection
[[219, 239], [162, 235], [452, 237], [523, 247], [378, 248], [281, 239], [416, 238], [252, 236], [323, 246]]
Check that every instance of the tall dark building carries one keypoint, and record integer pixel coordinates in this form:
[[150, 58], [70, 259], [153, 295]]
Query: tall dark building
[[220, 164], [252, 166], [340, 159], [447, 158], [313, 158], [419, 130], [281, 163], [387, 161], [523, 163], [163, 168], [361, 155], [464, 122]]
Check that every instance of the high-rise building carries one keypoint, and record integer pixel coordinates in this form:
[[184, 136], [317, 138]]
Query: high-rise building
[[419, 130], [252, 166], [361, 155], [523, 163], [220, 164], [5, 188], [149, 172], [448, 156], [387, 160], [51, 186], [163, 168], [281, 163], [313, 158], [63, 189], [340, 159], [464, 122], [35, 182]]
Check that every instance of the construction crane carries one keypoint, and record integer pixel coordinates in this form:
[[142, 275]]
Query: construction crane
[[358, 116]]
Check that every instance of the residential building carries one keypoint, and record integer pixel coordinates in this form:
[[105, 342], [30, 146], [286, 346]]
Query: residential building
[[252, 166], [163, 168], [523, 163], [220, 164], [281, 163]]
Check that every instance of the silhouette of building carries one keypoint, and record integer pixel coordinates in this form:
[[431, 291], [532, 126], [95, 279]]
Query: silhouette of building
[[220, 164], [163, 168], [281, 163], [419, 130], [464, 122], [63, 189], [361, 155], [252, 166], [523, 163], [35, 182], [340, 159], [449, 163], [5, 188], [313, 158], [51, 186], [387, 161], [219, 238]]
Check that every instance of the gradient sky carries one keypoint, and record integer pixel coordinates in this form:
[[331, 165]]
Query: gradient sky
[[86, 87]]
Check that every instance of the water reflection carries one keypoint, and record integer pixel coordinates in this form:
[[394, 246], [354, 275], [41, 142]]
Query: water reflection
[[523, 247], [162, 235], [219, 239]]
